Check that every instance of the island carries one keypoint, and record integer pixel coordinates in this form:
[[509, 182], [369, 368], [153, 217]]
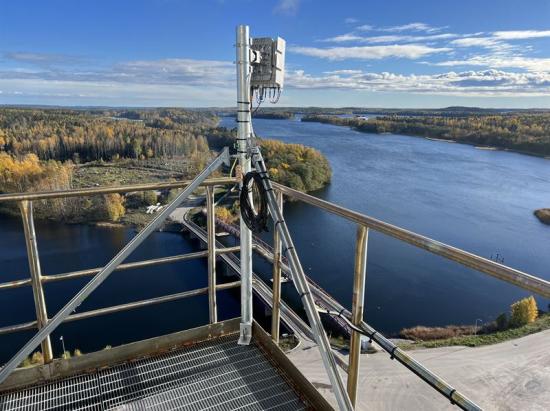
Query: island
[[543, 214]]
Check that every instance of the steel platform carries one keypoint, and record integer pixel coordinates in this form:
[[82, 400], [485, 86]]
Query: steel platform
[[216, 374]]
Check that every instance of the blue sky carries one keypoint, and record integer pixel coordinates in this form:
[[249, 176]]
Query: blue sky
[[339, 53]]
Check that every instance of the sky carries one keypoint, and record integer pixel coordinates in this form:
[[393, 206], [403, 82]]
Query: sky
[[393, 53]]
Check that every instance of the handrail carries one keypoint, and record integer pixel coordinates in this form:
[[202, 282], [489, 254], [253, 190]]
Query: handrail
[[128, 266], [123, 307], [48, 326], [484, 265], [79, 192]]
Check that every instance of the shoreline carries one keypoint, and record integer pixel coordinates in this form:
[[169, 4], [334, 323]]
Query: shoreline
[[475, 145]]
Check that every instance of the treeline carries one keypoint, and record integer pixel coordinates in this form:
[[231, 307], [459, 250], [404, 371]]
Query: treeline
[[61, 134], [282, 115], [528, 133], [297, 166]]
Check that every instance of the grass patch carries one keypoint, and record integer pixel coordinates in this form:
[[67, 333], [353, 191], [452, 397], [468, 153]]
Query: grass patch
[[540, 324]]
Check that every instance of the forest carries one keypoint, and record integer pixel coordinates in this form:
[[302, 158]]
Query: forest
[[81, 136], [58, 149], [526, 133], [294, 165]]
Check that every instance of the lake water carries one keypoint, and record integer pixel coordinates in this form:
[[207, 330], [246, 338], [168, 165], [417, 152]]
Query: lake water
[[481, 201], [478, 200]]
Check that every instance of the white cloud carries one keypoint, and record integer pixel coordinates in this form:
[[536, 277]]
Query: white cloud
[[289, 7], [343, 38], [149, 82], [390, 38], [521, 34], [469, 83], [533, 64], [412, 27], [351, 20], [365, 27], [409, 51]]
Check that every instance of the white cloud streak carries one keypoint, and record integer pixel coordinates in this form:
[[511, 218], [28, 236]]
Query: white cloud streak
[[410, 51], [521, 34], [487, 83]]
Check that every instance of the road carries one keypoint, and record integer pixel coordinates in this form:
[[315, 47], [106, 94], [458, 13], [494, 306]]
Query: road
[[513, 375]]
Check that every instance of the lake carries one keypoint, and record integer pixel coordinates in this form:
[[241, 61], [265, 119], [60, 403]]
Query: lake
[[478, 200]]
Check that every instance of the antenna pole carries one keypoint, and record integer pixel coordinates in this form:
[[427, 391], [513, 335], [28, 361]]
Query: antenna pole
[[243, 139]]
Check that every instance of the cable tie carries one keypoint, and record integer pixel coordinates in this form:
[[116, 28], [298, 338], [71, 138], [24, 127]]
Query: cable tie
[[279, 222], [243, 121], [289, 248], [243, 102], [303, 294], [371, 336], [243, 111], [451, 396], [341, 311], [392, 351]]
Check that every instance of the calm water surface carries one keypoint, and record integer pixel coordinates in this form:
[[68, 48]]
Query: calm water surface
[[481, 201], [478, 200]]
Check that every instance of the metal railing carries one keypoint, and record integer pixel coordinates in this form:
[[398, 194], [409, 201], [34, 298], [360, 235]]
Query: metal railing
[[44, 324], [364, 224], [37, 279]]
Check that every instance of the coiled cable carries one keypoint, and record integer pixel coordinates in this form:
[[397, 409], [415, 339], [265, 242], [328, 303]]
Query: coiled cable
[[253, 202]]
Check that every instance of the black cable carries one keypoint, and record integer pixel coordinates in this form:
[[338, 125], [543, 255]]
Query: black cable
[[254, 215]]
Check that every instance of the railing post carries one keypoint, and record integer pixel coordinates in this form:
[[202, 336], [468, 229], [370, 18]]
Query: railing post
[[276, 310], [36, 275], [359, 278], [211, 243]]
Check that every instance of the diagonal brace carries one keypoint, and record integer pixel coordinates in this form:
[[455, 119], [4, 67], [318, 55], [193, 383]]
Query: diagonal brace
[[302, 286], [223, 158]]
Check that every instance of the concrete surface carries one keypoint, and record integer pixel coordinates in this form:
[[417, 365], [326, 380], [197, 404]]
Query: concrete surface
[[513, 375]]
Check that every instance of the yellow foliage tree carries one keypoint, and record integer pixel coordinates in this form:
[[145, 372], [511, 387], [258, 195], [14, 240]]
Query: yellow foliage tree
[[524, 311], [114, 207], [224, 214]]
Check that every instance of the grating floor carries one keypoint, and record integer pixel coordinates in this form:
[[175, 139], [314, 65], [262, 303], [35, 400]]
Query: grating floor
[[212, 375]]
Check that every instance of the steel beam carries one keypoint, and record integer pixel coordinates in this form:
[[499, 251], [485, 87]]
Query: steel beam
[[211, 244], [79, 192], [300, 281], [111, 266], [243, 140], [359, 280], [128, 266], [36, 276], [276, 310]]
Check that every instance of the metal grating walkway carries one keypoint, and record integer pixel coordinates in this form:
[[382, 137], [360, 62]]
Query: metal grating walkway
[[212, 375]]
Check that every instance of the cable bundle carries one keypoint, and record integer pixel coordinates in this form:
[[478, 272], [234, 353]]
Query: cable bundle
[[254, 215]]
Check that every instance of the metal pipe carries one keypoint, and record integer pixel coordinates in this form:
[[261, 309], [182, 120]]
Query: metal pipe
[[211, 244], [302, 286], [123, 307], [79, 192], [276, 309], [359, 281], [36, 276], [243, 139], [122, 267], [109, 268], [484, 265], [432, 379]]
